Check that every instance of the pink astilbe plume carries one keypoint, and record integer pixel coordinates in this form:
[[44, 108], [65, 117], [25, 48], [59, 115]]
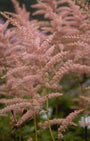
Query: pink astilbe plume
[[69, 26], [53, 122], [5, 43], [36, 59], [66, 122]]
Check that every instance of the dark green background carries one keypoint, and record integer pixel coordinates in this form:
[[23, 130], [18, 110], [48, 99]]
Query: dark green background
[[6, 5]]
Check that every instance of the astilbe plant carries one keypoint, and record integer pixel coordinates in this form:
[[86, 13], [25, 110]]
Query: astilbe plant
[[36, 55]]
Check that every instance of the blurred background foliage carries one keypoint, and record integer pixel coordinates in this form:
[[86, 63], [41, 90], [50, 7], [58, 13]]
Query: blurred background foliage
[[6, 5]]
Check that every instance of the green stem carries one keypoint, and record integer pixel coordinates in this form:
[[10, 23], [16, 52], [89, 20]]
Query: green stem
[[48, 119], [10, 129], [85, 133], [19, 135], [35, 124], [56, 102]]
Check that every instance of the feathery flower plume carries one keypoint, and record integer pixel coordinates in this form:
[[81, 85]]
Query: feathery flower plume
[[67, 121]]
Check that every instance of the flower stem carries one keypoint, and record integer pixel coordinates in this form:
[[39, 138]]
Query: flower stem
[[35, 124], [85, 133], [48, 119]]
